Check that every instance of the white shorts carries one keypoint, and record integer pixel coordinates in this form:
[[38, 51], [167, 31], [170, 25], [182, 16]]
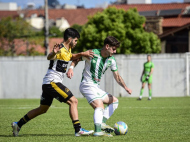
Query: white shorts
[[92, 91]]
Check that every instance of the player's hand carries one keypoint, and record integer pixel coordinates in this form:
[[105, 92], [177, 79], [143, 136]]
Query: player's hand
[[88, 54], [147, 78], [129, 91], [56, 48], [70, 73]]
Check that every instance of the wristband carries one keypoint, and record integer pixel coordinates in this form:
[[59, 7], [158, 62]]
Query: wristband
[[71, 67]]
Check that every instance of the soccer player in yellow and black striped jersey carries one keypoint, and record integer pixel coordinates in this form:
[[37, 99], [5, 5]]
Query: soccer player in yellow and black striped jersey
[[52, 83]]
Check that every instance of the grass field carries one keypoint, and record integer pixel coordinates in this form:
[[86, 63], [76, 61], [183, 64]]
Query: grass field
[[158, 120]]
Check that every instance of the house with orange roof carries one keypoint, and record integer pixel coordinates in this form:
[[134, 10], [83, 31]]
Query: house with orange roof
[[170, 21]]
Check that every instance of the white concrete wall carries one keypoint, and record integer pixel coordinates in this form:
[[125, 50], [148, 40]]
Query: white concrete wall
[[139, 1], [11, 6], [21, 77]]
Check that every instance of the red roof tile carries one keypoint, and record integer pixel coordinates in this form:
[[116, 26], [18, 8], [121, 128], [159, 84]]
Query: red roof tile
[[8, 13], [73, 16], [175, 22], [167, 22]]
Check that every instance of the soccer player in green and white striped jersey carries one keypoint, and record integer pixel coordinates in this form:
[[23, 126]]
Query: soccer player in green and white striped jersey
[[90, 84], [147, 77]]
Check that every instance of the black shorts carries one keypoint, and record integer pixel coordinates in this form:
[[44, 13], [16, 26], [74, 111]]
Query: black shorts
[[54, 90]]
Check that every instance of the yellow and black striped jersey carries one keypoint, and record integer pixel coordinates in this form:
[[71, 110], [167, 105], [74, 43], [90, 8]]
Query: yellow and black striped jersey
[[58, 66]]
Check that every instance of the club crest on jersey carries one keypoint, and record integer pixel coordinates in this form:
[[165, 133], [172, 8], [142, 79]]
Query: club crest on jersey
[[66, 90], [93, 61], [109, 64]]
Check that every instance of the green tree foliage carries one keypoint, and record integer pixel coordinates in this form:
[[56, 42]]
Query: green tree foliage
[[9, 31], [126, 26], [55, 32], [79, 28]]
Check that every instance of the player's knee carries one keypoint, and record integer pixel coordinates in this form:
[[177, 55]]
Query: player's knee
[[73, 101], [115, 100]]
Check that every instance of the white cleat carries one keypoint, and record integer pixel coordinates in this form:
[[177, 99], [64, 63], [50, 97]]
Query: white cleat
[[16, 129], [106, 128], [84, 132], [102, 134]]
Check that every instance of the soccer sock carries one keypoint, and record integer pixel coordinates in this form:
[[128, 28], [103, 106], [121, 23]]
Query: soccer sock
[[76, 125], [98, 116], [108, 111], [23, 120], [141, 93], [150, 93]]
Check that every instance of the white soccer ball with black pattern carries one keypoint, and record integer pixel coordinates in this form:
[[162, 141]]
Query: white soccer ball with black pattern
[[120, 128]]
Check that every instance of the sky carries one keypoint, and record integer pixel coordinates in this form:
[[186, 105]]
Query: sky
[[86, 3]]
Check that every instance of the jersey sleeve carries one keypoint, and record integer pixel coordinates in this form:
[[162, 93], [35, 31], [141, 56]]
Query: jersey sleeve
[[152, 65], [113, 65]]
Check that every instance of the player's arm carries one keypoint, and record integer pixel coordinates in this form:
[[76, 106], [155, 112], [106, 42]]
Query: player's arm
[[87, 54], [151, 71], [52, 55], [121, 82], [73, 64]]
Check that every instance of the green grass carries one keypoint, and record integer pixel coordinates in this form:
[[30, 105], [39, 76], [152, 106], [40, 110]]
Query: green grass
[[158, 120]]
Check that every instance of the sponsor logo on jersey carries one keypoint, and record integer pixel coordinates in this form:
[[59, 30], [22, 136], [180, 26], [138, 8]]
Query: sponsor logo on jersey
[[96, 79], [64, 65]]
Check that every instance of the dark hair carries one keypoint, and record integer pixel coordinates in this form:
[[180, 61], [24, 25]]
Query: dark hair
[[112, 41], [70, 32]]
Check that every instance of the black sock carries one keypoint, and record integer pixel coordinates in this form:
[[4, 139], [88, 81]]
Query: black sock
[[23, 120], [76, 125]]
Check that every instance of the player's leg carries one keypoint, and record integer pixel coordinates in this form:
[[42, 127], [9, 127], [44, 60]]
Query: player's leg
[[98, 116], [45, 103], [95, 96], [112, 104], [142, 90], [63, 94], [73, 111], [98, 107], [150, 87]]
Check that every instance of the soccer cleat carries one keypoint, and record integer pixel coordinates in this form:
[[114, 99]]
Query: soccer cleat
[[139, 99], [100, 134], [107, 128], [149, 99], [83, 132], [16, 129]]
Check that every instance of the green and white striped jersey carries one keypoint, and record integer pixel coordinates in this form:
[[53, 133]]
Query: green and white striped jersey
[[95, 67]]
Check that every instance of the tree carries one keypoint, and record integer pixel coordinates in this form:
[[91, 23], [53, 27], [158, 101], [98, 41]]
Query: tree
[[126, 26], [55, 32], [9, 31]]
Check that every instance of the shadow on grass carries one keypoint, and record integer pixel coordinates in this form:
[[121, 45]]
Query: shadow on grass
[[40, 135]]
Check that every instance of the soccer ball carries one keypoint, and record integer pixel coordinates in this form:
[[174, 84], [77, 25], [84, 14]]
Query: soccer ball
[[120, 128]]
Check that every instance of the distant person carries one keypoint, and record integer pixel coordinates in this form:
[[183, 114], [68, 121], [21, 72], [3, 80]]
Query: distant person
[[52, 83], [147, 77], [90, 84]]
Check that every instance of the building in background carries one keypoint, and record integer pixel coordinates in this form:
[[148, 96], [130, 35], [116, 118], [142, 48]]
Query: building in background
[[11, 6], [170, 21], [133, 2]]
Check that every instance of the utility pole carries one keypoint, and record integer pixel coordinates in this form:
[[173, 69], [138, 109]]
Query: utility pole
[[46, 28]]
